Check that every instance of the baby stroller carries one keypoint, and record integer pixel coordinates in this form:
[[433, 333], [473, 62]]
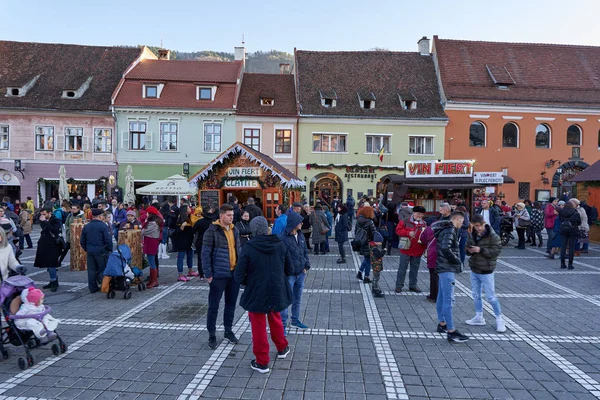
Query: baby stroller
[[10, 299], [506, 229], [122, 276]]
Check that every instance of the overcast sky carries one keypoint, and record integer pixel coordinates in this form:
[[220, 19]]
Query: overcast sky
[[312, 24]]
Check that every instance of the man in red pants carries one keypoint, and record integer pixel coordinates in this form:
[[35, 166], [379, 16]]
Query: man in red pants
[[262, 267]]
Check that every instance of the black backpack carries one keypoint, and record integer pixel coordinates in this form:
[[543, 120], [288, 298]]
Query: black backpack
[[360, 239], [566, 227]]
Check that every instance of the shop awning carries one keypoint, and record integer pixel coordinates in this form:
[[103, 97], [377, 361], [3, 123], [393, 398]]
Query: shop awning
[[175, 185], [441, 183]]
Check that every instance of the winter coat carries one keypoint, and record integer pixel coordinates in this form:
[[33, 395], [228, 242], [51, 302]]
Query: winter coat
[[584, 219], [341, 228], [202, 225], [549, 216], [318, 221], [263, 267], [237, 213], [570, 214], [404, 228], [25, 222], [490, 246], [48, 251], [494, 217], [280, 224], [183, 239], [537, 220], [463, 232], [350, 203], [305, 221], [524, 215], [96, 238], [366, 224], [448, 254], [151, 234], [7, 260], [557, 241], [215, 251], [243, 228], [120, 215], [70, 219], [253, 210], [330, 222], [297, 248], [428, 239]]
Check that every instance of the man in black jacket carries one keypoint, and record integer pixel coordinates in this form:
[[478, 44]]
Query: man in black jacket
[[252, 209], [447, 265], [237, 212], [96, 240], [263, 265]]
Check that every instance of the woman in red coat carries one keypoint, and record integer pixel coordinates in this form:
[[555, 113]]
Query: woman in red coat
[[151, 231]]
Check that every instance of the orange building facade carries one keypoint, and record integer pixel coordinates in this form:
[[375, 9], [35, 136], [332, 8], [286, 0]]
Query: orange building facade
[[531, 111]]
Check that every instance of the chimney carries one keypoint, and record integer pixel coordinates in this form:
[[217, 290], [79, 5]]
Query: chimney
[[164, 54], [240, 55], [285, 69], [424, 46]]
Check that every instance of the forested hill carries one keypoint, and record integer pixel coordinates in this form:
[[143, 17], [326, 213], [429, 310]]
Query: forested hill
[[261, 61]]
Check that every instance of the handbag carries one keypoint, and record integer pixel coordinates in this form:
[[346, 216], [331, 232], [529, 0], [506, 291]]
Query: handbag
[[523, 223], [584, 237], [404, 243]]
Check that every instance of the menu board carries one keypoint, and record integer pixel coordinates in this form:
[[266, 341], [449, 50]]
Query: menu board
[[209, 198]]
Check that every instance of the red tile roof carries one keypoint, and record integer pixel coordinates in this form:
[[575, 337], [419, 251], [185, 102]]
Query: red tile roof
[[543, 74], [387, 74], [62, 67], [278, 87], [181, 79]]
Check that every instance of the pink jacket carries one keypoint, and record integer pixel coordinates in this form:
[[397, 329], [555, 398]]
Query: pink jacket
[[549, 216], [428, 239]]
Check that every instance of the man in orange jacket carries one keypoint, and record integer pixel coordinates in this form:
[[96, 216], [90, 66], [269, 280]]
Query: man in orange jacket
[[410, 228]]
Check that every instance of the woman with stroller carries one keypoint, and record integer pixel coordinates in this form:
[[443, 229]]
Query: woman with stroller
[[7, 257], [49, 246], [151, 230], [183, 238]]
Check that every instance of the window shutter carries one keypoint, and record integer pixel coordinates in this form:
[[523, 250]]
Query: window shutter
[[85, 143], [148, 143], [125, 140], [60, 142]]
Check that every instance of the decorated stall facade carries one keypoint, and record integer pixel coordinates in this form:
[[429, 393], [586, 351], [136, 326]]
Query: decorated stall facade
[[243, 172]]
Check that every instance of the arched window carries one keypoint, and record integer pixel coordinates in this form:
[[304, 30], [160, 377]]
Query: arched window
[[542, 136], [477, 134], [510, 135], [574, 136]]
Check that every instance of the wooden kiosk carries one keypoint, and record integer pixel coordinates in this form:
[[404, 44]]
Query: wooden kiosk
[[243, 172]]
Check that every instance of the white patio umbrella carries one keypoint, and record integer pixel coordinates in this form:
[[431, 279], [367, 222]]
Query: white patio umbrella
[[175, 185], [63, 187], [129, 196]]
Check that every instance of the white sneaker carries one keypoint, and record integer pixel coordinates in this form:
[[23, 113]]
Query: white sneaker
[[477, 320], [500, 326]]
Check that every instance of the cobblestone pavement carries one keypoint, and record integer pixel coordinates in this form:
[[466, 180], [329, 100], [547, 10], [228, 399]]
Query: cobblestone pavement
[[154, 346]]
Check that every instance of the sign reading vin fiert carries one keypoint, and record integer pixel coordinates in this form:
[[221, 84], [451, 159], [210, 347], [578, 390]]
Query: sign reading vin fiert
[[493, 178], [243, 171]]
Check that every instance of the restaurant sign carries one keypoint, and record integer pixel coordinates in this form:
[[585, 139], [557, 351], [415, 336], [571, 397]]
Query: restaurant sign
[[488, 178], [439, 169]]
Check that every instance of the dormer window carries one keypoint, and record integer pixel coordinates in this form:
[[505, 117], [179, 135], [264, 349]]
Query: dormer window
[[500, 76], [14, 91], [408, 101], [21, 91], [366, 100], [151, 92], [69, 93], [328, 98], [267, 101], [76, 94], [206, 93]]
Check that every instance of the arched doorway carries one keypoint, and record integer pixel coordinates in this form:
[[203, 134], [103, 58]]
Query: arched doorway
[[9, 185], [563, 173], [324, 187]]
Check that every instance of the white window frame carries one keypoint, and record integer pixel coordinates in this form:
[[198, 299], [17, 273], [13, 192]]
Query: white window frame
[[67, 129], [267, 101], [371, 104], [3, 126], [35, 135], [283, 128], [379, 135], [518, 136], [101, 128], [333, 102], [432, 137], [580, 136], [213, 92], [160, 135], [484, 134], [212, 122], [345, 134], [146, 87], [549, 136], [159, 89]]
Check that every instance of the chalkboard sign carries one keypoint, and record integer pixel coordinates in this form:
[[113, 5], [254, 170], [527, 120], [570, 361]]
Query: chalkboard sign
[[209, 198]]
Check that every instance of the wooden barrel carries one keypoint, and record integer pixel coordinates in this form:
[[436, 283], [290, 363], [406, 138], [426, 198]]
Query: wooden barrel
[[133, 239], [78, 255]]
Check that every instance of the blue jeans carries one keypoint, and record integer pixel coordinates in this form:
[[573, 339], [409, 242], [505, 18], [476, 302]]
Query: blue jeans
[[190, 259], [297, 285], [462, 245], [445, 299], [165, 235], [551, 236], [151, 260], [116, 233], [53, 274], [485, 281], [218, 287], [365, 266], [22, 241]]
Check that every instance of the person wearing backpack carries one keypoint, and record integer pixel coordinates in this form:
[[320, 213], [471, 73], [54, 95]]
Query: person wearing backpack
[[584, 229], [364, 232], [569, 232]]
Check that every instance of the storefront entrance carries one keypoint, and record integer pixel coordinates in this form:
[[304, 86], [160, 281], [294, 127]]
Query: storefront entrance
[[9, 185], [324, 187]]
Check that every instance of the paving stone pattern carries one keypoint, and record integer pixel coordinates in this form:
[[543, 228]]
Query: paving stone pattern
[[154, 346]]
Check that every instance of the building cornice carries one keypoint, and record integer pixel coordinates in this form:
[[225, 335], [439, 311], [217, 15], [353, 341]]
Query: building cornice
[[389, 122], [31, 161], [173, 111], [150, 162], [248, 118], [508, 108], [52, 112]]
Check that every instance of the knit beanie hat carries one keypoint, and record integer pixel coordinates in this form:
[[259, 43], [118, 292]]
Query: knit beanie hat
[[32, 295], [131, 212], [259, 226], [377, 238]]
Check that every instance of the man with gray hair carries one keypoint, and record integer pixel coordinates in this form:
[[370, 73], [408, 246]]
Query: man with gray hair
[[445, 211], [252, 209]]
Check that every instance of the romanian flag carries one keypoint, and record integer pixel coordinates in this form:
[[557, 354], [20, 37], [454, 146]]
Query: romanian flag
[[381, 151]]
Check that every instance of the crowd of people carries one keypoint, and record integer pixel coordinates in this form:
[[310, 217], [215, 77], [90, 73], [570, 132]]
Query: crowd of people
[[236, 246]]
